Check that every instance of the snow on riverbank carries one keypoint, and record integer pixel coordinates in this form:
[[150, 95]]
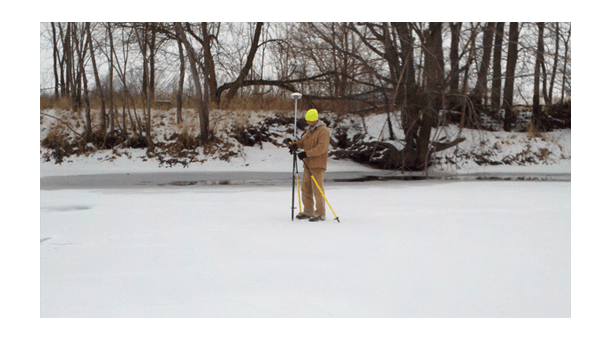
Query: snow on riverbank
[[268, 159], [481, 152]]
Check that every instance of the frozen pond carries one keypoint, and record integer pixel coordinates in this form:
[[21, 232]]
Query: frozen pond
[[429, 248]]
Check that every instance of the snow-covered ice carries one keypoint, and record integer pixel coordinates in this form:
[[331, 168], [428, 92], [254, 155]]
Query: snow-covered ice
[[402, 249]]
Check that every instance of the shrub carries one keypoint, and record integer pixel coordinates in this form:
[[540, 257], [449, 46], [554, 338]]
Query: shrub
[[46, 102], [561, 111], [59, 145]]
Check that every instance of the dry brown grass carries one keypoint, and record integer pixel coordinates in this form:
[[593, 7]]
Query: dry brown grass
[[534, 131], [46, 102], [67, 103], [59, 143], [258, 102]]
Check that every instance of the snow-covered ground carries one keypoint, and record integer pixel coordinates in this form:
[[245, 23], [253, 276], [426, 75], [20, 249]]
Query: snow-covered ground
[[431, 248], [546, 153], [268, 159], [418, 249]]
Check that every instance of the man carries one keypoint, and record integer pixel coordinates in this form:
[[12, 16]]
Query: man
[[315, 143]]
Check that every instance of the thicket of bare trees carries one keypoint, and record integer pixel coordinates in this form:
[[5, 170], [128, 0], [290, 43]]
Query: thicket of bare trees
[[427, 73]]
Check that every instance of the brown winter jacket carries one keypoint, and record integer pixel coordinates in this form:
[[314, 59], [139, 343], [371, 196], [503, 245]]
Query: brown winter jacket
[[315, 143]]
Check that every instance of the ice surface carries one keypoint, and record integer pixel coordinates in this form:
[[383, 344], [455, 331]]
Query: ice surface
[[402, 249]]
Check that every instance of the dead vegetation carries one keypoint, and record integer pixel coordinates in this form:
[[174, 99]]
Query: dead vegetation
[[63, 135]]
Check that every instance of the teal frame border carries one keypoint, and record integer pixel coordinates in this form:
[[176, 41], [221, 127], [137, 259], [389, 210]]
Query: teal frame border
[[19, 267]]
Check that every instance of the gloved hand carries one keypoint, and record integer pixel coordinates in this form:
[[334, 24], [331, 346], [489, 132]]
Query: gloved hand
[[302, 155], [287, 141], [293, 148]]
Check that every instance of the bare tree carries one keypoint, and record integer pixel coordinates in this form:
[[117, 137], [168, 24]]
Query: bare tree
[[152, 53], [58, 65], [536, 109], [145, 35], [68, 59], [479, 92], [80, 45], [455, 28], [150, 58], [127, 38], [235, 85], [565, 61], [205, 38], [98, 88], [180, 81], [549, 97], [201, 98], [78, 67], [406, 41], [56, 61], [495, 98], [434, 72], [209, 64], [111, 80], [510, 75]]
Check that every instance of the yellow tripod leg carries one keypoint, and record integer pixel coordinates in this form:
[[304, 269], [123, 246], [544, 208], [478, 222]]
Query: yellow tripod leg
[[320, 190], [298, 185]]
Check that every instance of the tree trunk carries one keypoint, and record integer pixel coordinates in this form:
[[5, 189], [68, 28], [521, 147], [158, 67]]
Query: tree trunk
[[81, 65], [146, 93], [111, 83], [124, 126], [407, 57], [464, 98], [410, 106], [62, 62], [495, 99], [98, 88], [78, 77], [539, 61], [200, 99], [180, 82], [555, 65], [88, 128], [55, 57], [566, 41], [480, 90], [469, 61], [510, 75], [151, 89], [152, 51], [68, 55], [391, 54], [409, 97], [334, 80], [346, 67], [143, 46], [454, 57], [122, 74], [434, 72], [209, 69]]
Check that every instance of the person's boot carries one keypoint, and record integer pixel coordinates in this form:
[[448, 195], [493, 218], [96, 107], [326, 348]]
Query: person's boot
[[317, 219], [301, 215]]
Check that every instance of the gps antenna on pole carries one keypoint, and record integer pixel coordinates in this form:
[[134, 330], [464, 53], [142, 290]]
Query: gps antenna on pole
[[296, 97]]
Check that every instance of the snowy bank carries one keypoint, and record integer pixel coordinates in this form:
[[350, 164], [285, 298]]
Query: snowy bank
[[481, 152]]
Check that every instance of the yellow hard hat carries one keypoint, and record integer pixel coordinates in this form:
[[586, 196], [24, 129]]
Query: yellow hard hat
[[312, 115]]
